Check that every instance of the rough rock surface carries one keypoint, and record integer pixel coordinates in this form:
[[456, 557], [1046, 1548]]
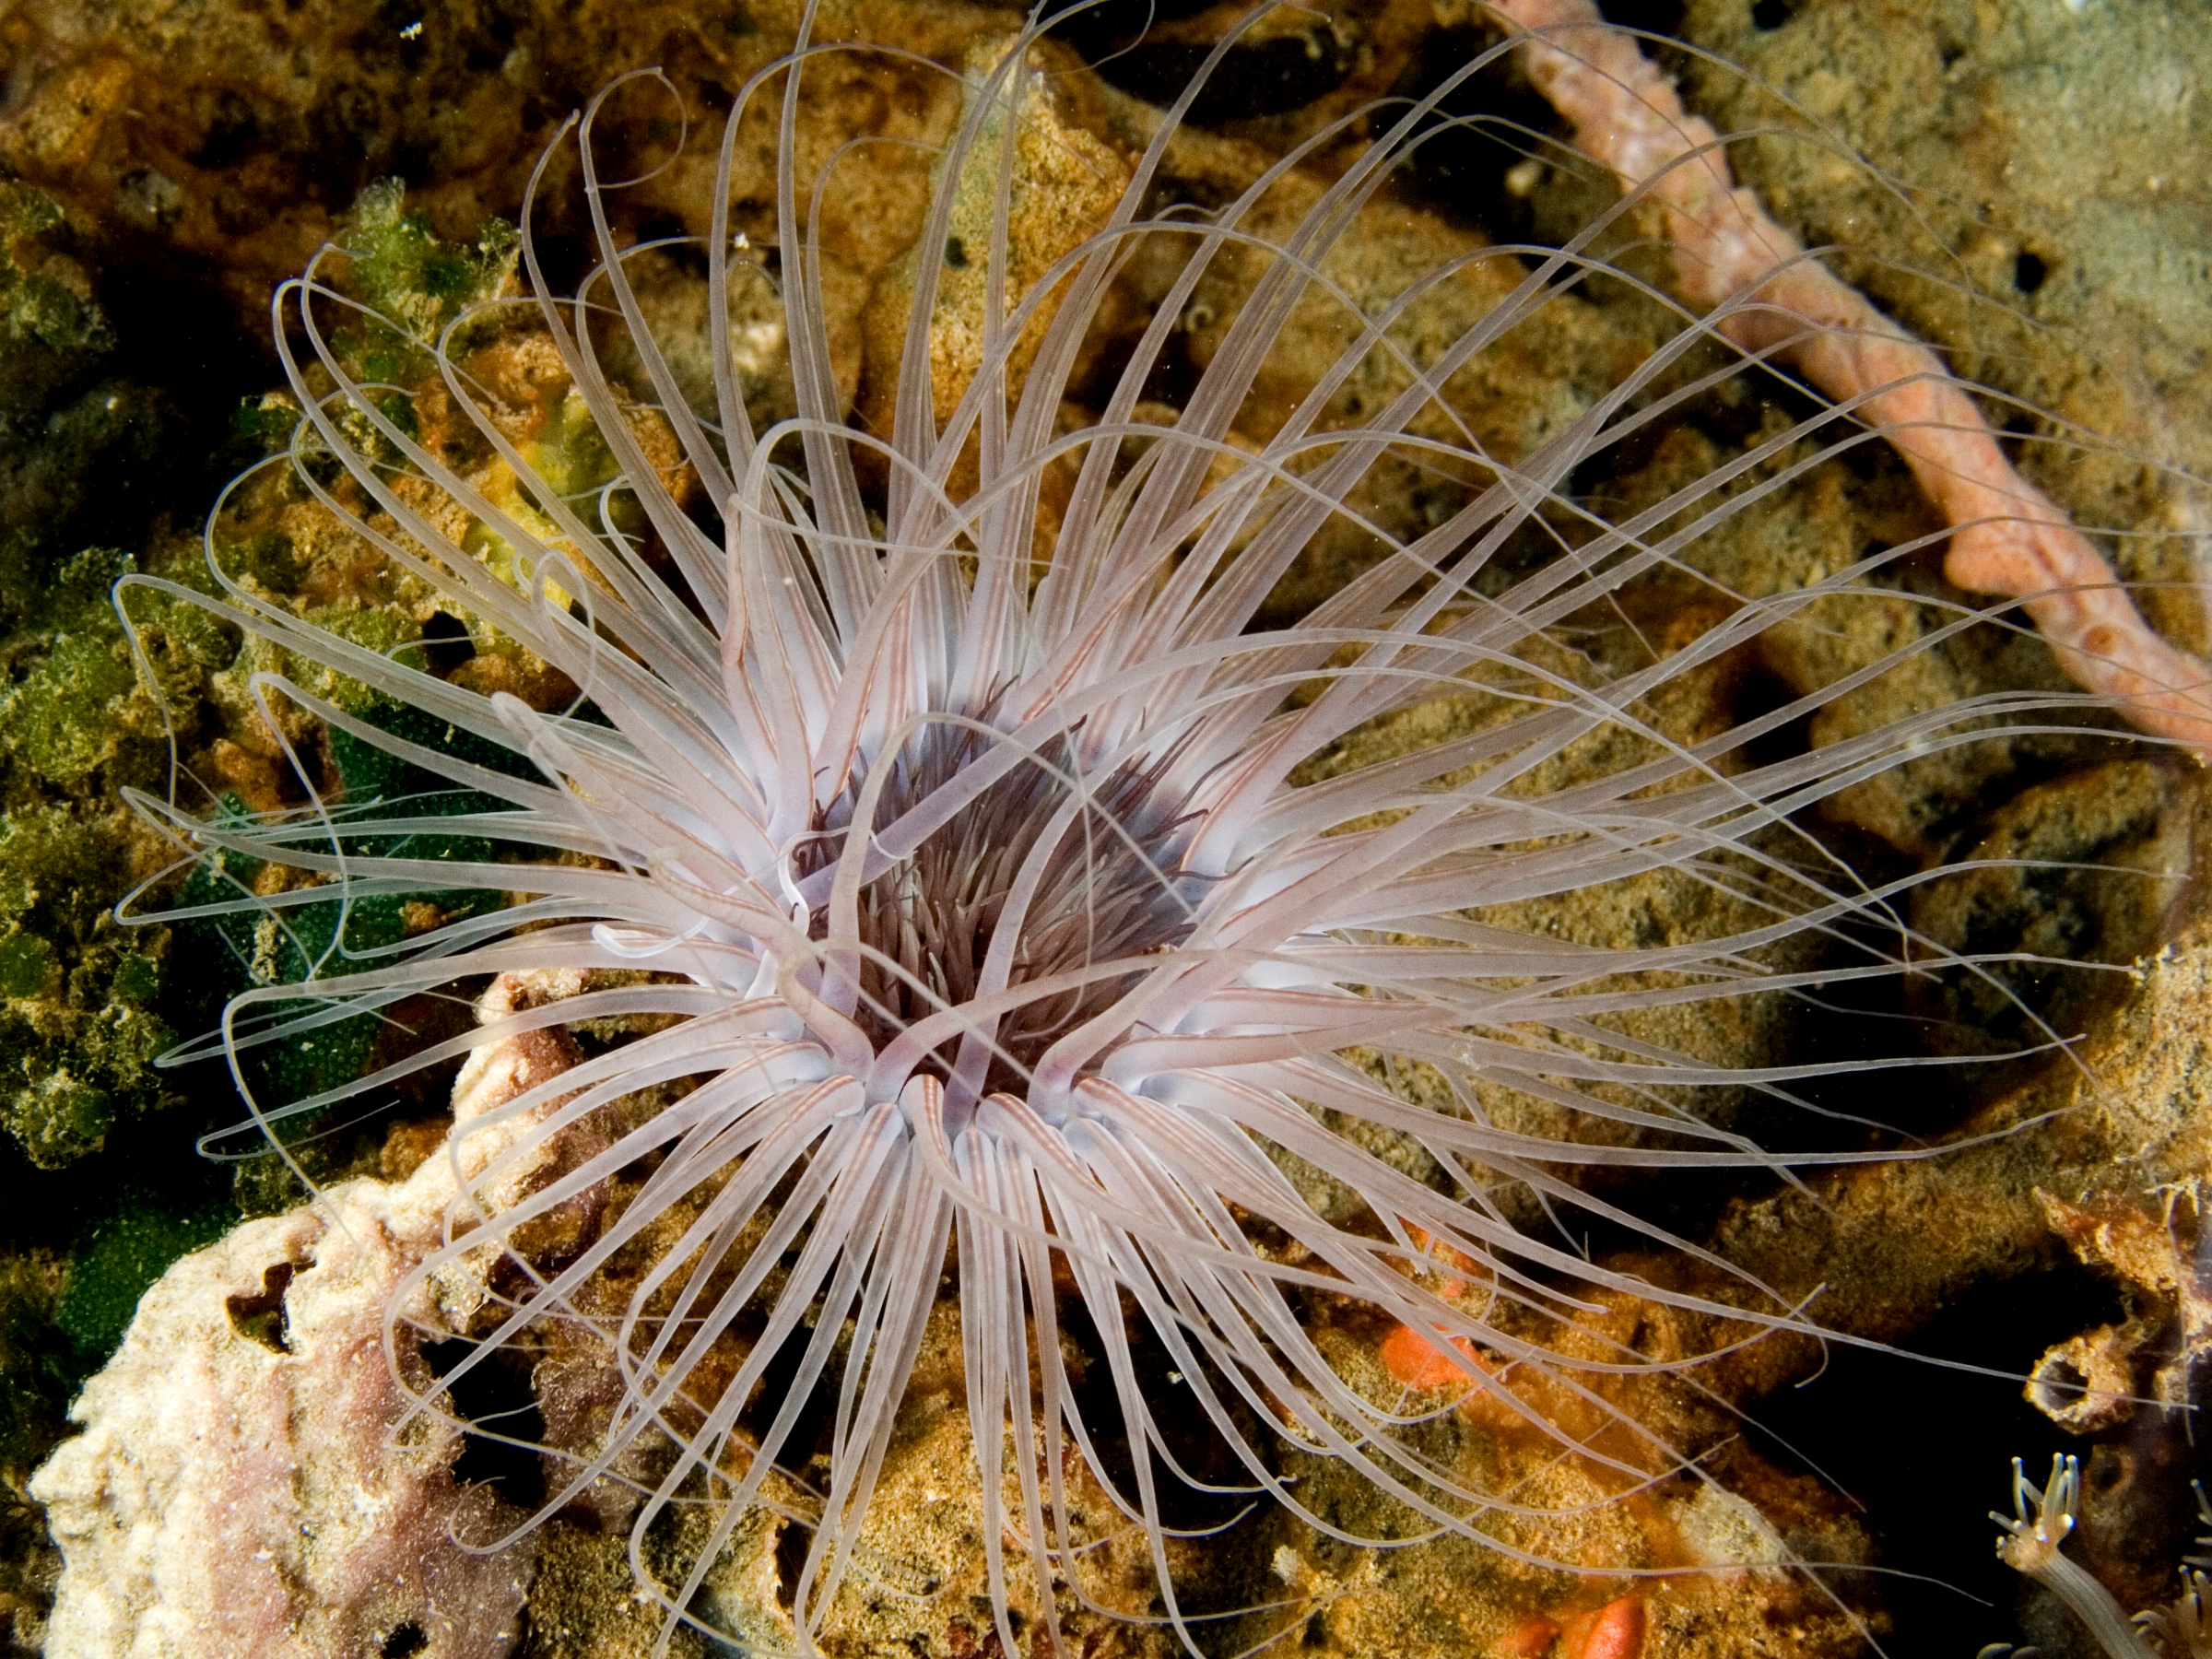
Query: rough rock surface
[[250, 1482], [2029, 205], [238, 1488]]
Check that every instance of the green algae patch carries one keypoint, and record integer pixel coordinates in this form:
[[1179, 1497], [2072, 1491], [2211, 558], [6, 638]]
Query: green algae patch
[[37, 1371], [78, 713], [86, 711], [52, 325], [78, 1028], [305, 938], [122, 1255], [416, 282], [26, 966], [79, 704], [52, 715]]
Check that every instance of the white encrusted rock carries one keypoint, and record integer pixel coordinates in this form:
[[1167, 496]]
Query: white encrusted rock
[[242, 1488], [232, 1498]]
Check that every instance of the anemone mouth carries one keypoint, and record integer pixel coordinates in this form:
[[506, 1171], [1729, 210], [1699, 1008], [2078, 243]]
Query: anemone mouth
[[1077, 872]]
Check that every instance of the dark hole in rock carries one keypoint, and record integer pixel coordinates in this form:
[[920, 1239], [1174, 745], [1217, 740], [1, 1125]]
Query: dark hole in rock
[[1195, 1446], [1256, 78], [581, 1514], [791, 1558], [2058, 1383], [2076, 872], [500, 1448], [2106, 1469], [233, 129], [1650, 17], [563, 256], [445, 644], [1919, 1492], [1091, 29], [1259, 78], [1486, 131], [405, 1640], [1772, 14], [259, 1318], [796, 1444], [2028, 271]]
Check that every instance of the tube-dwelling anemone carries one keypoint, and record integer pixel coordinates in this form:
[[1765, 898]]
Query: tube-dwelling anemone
[[973, 905]]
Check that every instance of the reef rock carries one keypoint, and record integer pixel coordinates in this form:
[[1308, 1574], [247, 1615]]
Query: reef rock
[[245, 1487], [237, 1490]]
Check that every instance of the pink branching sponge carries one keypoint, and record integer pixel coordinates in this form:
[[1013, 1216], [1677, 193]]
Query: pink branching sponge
[[2008, 538]]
